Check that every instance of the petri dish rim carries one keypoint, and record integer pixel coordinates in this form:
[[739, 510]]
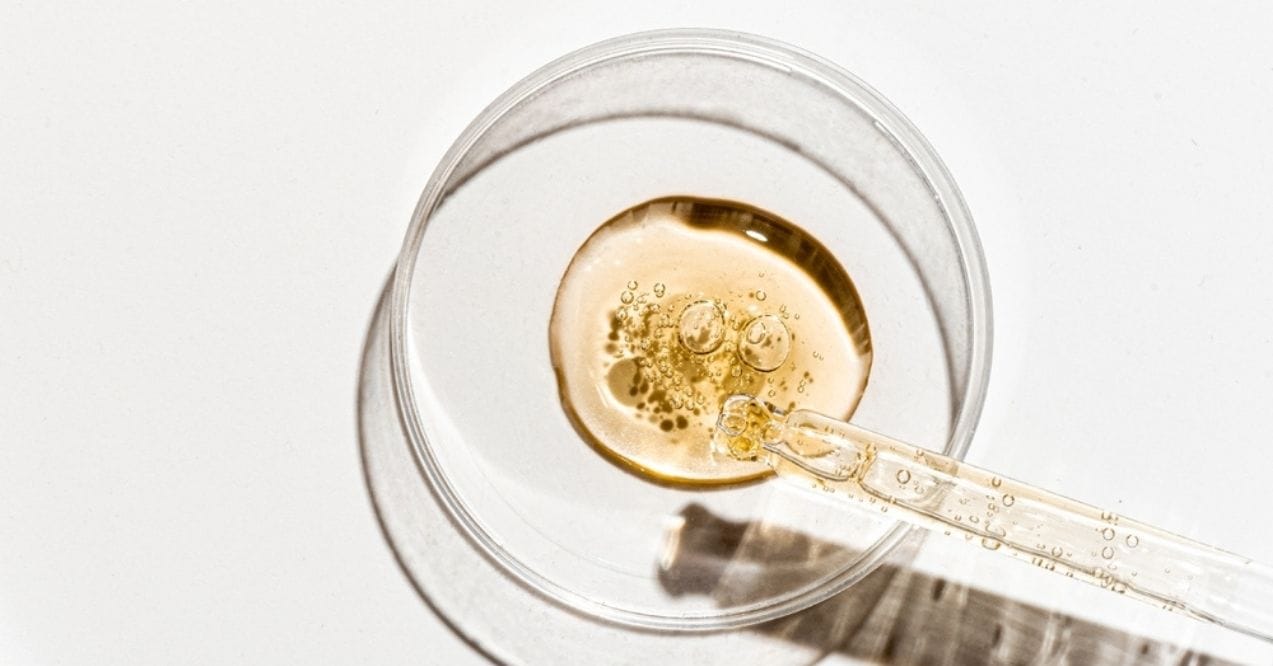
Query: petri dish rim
[[886, 118]]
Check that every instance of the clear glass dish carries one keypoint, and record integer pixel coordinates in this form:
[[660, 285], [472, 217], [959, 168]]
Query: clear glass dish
[[530, 520]]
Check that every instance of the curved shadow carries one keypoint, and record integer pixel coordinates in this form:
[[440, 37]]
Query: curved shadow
[[363, 456], [894, 615]]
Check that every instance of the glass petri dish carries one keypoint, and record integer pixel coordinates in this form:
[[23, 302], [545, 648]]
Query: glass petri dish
[[574, 538]]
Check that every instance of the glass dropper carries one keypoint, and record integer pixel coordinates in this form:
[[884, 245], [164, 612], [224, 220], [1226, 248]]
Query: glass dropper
[[954, 498]]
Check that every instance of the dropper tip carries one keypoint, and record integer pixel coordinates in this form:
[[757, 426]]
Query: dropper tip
[[745, 424]]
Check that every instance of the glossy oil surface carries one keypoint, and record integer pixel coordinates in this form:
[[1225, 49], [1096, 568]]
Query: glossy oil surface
[[675, 304]]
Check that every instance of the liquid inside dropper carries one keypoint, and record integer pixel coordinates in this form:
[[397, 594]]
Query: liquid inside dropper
[[674, 305], [684, 318]]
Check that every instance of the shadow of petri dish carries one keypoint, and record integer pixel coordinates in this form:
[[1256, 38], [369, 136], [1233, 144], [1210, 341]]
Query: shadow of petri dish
[[893, 615], [469, 386]]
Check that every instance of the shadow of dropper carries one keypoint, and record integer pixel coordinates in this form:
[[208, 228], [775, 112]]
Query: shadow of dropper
[[895, 615]]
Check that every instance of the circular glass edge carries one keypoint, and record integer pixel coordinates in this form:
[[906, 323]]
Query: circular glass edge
[[887, 118]]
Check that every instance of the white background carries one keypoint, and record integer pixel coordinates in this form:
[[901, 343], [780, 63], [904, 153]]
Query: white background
[[199, 205]]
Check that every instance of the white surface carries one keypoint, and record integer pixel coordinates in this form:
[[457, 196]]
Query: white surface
[[198, 207]]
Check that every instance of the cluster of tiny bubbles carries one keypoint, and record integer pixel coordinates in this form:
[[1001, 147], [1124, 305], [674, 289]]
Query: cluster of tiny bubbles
[[685, 350], [639, 331]]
